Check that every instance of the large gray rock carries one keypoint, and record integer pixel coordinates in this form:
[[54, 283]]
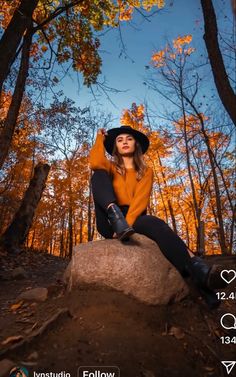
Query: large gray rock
[[136, 267]]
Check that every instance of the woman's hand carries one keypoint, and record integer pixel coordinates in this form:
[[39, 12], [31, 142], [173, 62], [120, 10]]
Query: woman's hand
[[114, 235], [102, 131]]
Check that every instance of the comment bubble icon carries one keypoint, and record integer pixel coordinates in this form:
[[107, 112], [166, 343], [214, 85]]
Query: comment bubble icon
[[228, 321]]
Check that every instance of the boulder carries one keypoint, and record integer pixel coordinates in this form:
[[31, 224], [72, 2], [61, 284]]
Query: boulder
[[136, 267]]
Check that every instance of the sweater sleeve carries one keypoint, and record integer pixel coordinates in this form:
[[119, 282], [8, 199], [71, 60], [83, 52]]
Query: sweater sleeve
[[141, 197], [97, 158]]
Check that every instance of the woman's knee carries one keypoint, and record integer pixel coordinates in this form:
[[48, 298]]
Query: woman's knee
[[149, 222], [98, 173]]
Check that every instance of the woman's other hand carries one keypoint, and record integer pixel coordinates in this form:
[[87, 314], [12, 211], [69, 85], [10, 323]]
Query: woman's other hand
[[114, 235], [102, 131]]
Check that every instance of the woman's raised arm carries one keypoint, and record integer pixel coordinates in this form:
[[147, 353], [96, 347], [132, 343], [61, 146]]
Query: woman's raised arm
[[97, 158]]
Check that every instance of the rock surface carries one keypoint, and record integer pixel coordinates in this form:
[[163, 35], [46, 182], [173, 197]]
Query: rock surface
[[39, 294], [137, 268], [5, 366]]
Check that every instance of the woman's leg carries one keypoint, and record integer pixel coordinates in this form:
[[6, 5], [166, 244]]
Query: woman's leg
[[112, 220], [103, 192], [171, 245], [103, 225], [103, 195], [175, 250]]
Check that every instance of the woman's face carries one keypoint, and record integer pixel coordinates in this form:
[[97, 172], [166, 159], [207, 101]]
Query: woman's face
[[125, 144]]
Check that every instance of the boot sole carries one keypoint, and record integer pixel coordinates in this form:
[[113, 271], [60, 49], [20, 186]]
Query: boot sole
[[126, 234], [214, 280]]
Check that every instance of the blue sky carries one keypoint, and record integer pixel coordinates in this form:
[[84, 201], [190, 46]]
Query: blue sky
[[141, 38]]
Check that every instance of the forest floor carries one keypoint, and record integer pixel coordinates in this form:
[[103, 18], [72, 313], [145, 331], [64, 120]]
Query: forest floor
[[99, 326]]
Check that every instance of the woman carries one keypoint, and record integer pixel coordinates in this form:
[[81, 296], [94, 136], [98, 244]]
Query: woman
[[121, 191]]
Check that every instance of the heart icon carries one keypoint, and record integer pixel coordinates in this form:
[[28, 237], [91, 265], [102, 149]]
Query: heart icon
[[225, 274]]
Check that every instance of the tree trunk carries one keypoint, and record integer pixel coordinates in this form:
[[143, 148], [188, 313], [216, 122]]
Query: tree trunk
[[161, 196], [197, 210], [16, 233], [221, 79], [10, 122], [10, 41], [81, 227], [70, 231], [168, 199], [212, 160], [89, 237], [202, 238]]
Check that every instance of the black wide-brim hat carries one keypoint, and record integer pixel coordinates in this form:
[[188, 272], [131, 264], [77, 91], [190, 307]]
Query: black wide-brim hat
[[114, 132]]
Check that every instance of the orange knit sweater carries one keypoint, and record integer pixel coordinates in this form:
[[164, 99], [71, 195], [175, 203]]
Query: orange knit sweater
[[128, 191]]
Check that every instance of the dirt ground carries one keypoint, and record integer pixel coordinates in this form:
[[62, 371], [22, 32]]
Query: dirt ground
[[100, 326]]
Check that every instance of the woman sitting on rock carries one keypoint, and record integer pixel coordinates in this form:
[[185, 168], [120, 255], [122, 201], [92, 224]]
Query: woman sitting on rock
[[121, 191]]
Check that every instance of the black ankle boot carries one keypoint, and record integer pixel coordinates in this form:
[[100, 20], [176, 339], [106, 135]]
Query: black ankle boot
[[206, 279], [205, 276], [118, 222]]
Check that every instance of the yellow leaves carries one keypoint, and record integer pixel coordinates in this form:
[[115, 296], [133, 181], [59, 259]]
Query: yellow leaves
[[16, 306], [218, 140], [134, 117], [34, 50], [72, 32], [148, 4], [178, 50], [126, 14], [44, 48], [4, 104], [136, 3], [180, 41], [158, 58], [126, 8], [7, 9], [44, 9]]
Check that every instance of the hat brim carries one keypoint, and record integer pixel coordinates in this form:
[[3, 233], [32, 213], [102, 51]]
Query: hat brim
[[114, 132]]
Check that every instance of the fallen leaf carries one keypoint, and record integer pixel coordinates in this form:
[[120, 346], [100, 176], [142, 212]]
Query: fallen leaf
[[11, 339], [217, 333], [17, 305], [177, 332], [209, 369]]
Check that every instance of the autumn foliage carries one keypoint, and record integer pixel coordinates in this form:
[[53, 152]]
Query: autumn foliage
[[192, 162]]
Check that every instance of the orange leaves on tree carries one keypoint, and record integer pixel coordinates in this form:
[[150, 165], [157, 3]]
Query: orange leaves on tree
[[179, 42], [148, 4], [71, 33], [179, 49], [191, 123], [126, 8], [158, 58], [133, 117], [5, 101], [7, 9], [218, 140]]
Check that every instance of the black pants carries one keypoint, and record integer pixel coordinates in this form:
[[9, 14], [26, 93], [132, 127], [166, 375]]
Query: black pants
[[171, 245]]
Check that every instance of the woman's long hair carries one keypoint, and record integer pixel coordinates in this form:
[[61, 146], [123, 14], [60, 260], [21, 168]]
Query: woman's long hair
[[139, 163]]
